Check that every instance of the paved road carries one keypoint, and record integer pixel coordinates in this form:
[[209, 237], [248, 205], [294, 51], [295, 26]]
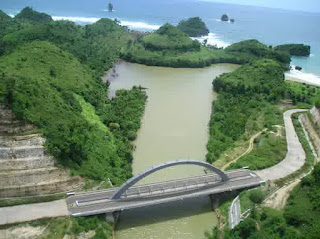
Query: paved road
[[152, 194], [29, 212], [234, 213], [295, 157]]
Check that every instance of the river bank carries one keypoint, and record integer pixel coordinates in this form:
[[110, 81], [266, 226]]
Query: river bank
[[175, 126]]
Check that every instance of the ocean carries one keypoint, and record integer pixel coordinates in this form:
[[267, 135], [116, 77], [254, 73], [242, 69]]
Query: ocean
[[270, 26]]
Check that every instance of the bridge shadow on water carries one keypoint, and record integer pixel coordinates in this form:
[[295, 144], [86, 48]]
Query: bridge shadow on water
[[164, 212]]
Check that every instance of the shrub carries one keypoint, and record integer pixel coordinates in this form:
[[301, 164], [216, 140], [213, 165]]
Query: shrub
[[257, 196]]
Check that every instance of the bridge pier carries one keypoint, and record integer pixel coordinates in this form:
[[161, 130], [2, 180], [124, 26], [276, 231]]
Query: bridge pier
[[113, 217], [215, 200]]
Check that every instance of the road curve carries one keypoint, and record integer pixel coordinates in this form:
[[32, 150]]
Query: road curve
[[295, 157], [293, 161]]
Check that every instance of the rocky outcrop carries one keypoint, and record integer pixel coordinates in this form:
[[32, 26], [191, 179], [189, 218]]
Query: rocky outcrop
[[299, 68], [315, 115], [224, 18], [312, 133], [25, 167]]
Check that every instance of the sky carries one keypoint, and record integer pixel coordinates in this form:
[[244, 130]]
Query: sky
[[302, 5]]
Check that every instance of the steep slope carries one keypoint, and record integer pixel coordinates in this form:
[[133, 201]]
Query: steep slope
[[25, 168], [40, 82]]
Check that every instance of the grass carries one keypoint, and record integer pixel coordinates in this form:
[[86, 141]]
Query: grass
[[269, 149], [59, 228], [29, 200], [302, 93], [89, 113], [239, 148]]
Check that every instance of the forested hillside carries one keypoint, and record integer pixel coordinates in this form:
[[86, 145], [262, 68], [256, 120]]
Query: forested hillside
[[299, 219], [50, 76], [171, 47], [246, 98], [97, 45]]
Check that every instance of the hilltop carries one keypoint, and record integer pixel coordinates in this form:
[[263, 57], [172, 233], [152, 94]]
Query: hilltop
[[193, 27], [172, 48]]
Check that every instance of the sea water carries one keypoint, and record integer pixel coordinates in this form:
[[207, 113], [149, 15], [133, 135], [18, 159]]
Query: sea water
[[270, 26]]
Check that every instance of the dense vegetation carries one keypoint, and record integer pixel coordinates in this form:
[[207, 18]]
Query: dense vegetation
[[269, 149], [294, 49], [62, 92], [29, 14], [168, 37], [302, 93], [95, 227], [300, 218], [97, 45], [193, 27], [51, 89], [302, 210], [245, 104], [267, 223], [255, 50], [172, 48]]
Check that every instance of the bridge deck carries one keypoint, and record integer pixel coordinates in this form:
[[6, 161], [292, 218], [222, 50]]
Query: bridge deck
[[98, 202]]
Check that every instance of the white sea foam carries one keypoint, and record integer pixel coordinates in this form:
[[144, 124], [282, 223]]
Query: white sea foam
[[77, 19], [212, 39], [303, 77], [140, 25], [129, 24]]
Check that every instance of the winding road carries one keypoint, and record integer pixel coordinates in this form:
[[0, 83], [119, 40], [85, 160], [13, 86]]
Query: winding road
[[295, 157], [293, 161]]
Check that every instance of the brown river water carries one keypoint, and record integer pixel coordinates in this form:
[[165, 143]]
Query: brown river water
[[174, 126]]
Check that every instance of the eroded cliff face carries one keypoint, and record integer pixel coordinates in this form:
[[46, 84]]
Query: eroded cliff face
[[315, 115], [25, 167]]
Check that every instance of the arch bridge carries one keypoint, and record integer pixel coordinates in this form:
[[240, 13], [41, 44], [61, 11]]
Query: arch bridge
[[132, 195], [132, 181]]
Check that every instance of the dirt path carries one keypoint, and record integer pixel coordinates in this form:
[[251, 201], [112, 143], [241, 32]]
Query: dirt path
[[249, 149], [279, 199], [294, 159]]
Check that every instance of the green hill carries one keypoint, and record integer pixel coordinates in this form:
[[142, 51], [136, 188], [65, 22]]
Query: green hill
[[51, 89], [294, 49], [262, 76], [94, 45], [168, 37], [245, 104], [255, 50], [193, 27], [29, 14]]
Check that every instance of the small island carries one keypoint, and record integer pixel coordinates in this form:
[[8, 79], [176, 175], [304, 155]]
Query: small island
[[193, 27], [294, 49], [225, 18], [51, 77]]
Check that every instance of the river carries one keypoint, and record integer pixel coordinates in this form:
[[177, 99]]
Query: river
[[174, 126]]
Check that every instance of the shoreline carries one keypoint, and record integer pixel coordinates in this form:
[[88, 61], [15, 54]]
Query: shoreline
[[289, 77]]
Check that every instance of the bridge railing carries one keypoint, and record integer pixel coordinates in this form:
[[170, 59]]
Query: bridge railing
[[173, 186]]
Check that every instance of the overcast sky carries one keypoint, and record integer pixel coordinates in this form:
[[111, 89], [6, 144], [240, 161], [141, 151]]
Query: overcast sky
[[304, 5]]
